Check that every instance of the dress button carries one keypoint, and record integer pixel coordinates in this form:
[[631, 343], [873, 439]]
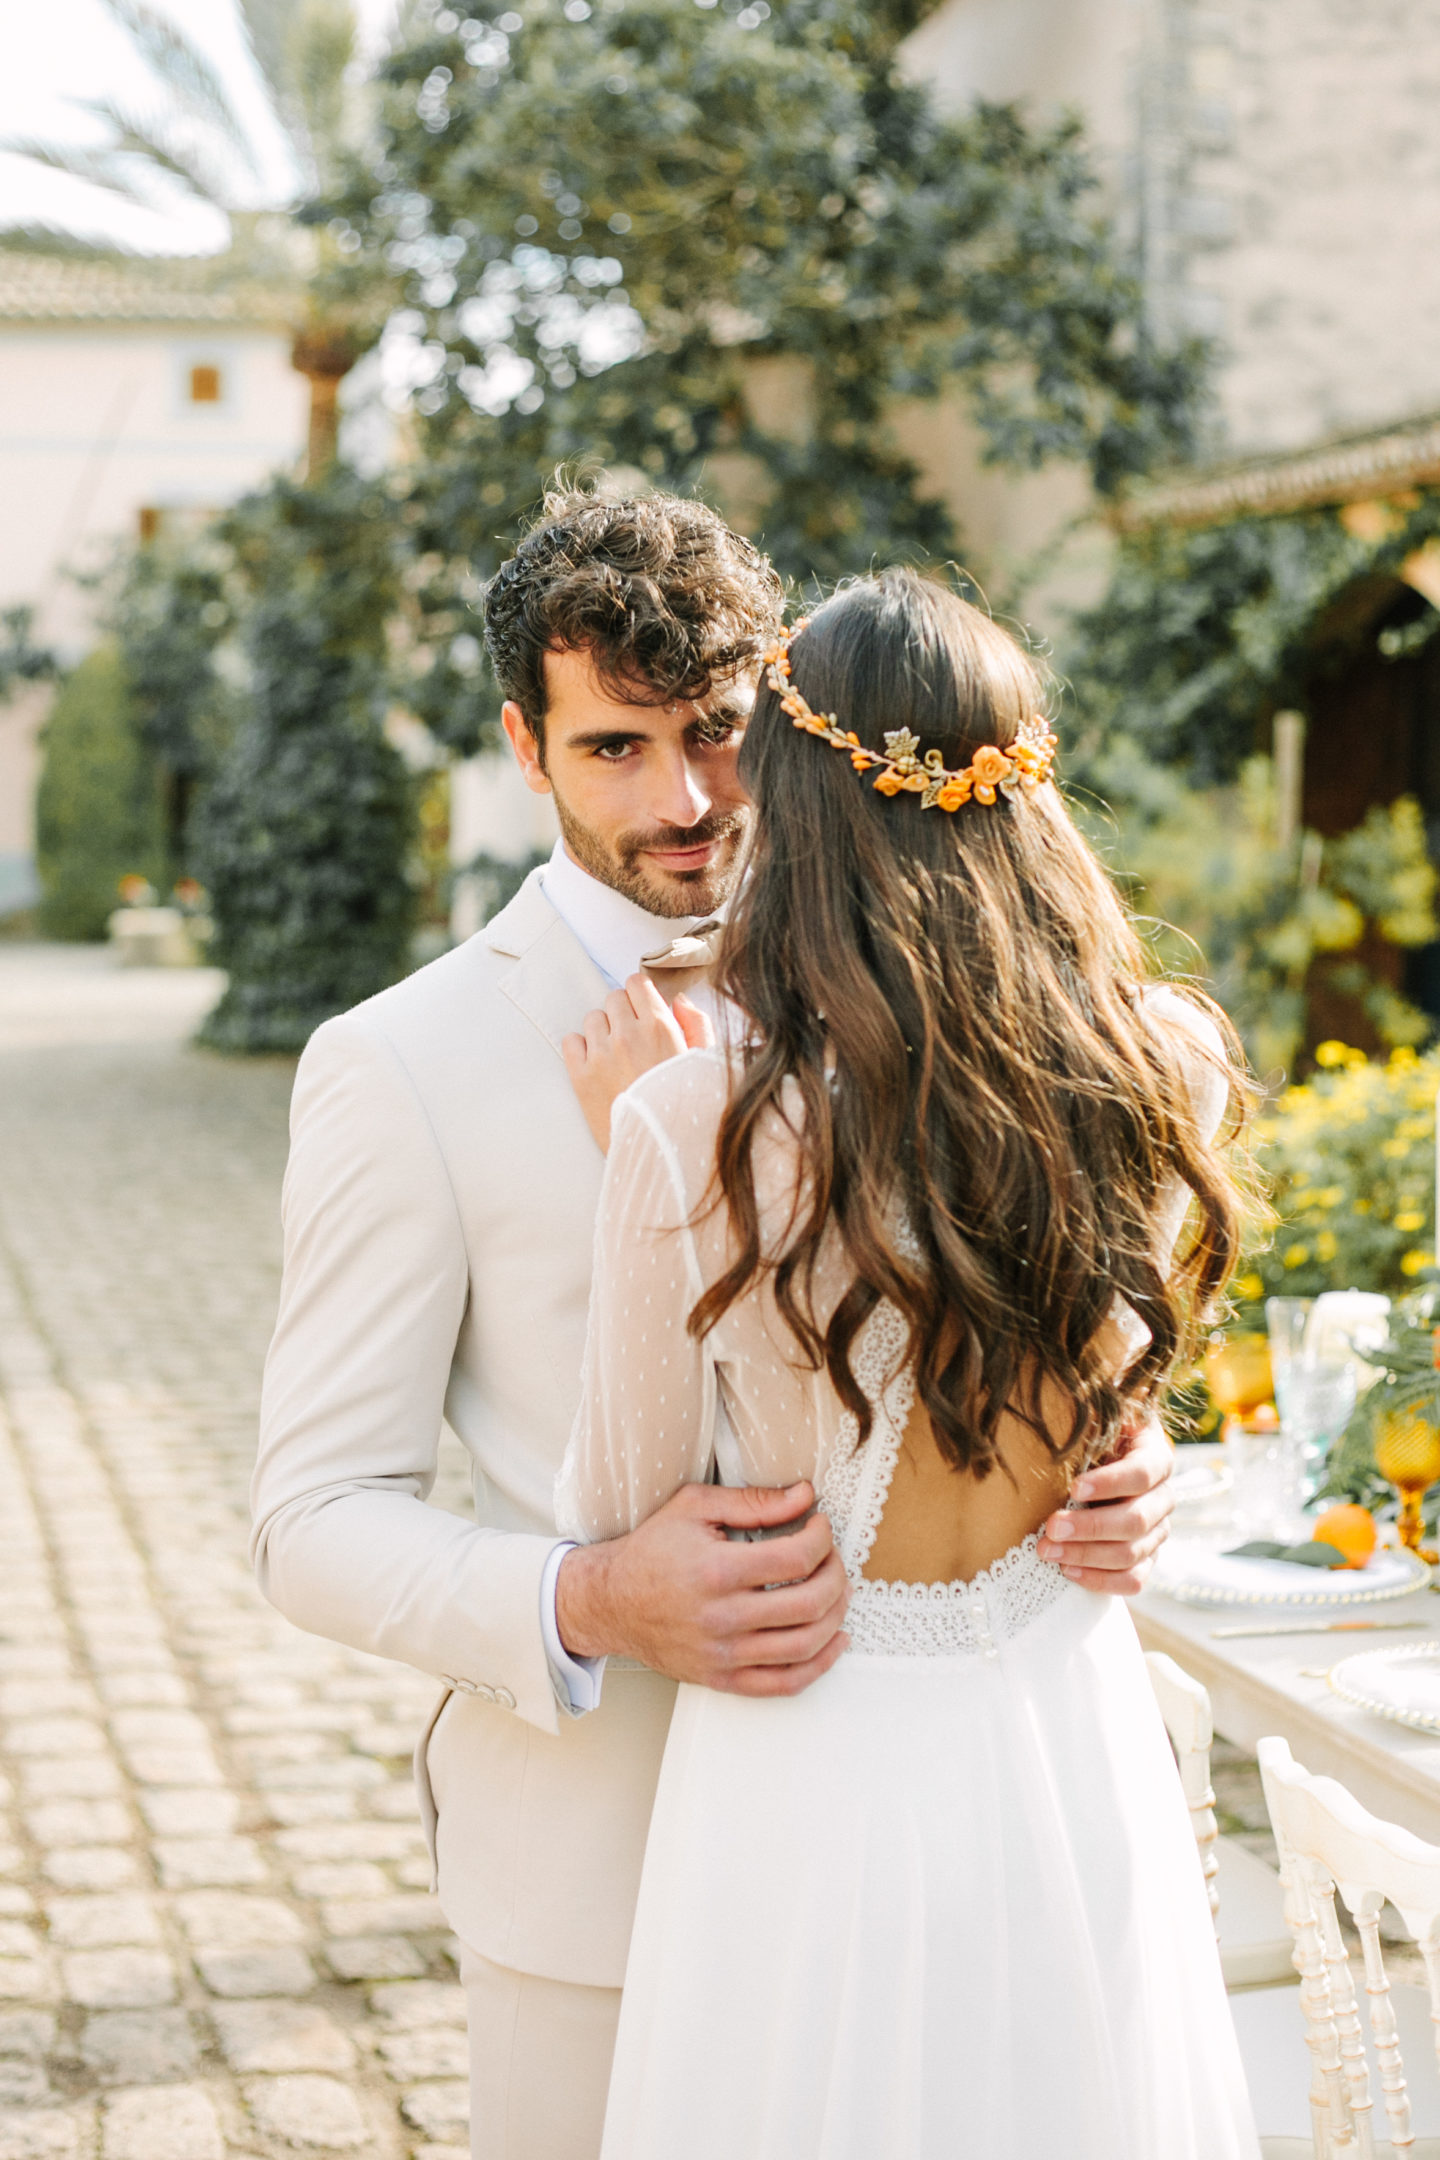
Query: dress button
[[505, 1699]]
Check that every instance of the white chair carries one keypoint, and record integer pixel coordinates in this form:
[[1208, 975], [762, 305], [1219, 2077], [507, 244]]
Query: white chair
[[1246, 1896], [1326, 1842]]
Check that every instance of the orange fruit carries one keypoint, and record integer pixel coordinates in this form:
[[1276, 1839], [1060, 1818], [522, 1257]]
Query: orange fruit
[[1351, 1530]]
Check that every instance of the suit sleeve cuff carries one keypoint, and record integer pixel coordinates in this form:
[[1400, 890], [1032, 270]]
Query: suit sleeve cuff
[[577, 1681]]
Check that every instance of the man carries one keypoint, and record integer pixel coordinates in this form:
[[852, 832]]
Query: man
[[439, 1211]]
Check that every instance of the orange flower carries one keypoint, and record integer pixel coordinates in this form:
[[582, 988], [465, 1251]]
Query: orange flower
[[953, 795], [889, 783], [990, 765]]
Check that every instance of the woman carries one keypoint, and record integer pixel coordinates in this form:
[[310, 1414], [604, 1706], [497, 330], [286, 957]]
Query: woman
[[915, 1243]]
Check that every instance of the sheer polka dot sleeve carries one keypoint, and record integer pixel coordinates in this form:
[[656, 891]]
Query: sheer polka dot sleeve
[[646, 1416]]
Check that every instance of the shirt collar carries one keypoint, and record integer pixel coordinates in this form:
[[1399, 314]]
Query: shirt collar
[[613, 930]]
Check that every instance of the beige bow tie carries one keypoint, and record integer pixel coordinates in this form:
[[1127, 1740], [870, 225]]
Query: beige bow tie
[[695, 950]]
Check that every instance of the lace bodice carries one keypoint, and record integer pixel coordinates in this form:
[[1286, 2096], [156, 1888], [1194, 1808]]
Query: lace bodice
[[655, 1399]]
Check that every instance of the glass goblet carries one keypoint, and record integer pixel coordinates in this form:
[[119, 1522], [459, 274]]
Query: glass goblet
[[1407, 1452], [1237, 1369]]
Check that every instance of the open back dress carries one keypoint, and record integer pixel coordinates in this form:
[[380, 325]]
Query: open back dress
[[946, 1904]]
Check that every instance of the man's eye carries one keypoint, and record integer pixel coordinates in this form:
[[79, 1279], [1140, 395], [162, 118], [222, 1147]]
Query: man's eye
[[614, 752], [720, 734]]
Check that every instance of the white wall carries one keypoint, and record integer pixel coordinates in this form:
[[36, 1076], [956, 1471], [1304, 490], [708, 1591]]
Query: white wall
[[95, 425]]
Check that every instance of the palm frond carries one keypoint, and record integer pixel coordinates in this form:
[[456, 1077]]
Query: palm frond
[[36, 238], [266, 23], [93, 166], [321, 46], [184, 71], [189, 162]]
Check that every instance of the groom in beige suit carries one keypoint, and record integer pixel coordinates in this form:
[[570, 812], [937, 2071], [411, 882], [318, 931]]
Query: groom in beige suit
[[439, 1211]]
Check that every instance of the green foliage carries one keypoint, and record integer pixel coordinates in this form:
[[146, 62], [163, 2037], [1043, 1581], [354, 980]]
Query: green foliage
[[1350, 1160], [305, 835], [1268, 922], [1204, 634], [603, 225], [21, 659], [168, 612], [98, 810], [1409, 1384]]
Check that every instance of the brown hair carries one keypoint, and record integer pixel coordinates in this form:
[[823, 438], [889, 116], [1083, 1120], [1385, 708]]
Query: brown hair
[[958, 997], [658, 590]]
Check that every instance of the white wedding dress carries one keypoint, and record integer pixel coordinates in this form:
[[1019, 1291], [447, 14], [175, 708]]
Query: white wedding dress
[[945, 1905]]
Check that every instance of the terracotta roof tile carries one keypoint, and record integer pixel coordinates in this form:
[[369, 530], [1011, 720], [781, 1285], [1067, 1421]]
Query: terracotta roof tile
[[57, 288]]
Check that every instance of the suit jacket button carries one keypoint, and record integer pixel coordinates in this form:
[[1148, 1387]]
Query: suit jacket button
[[505, 1699], [486, 1694]]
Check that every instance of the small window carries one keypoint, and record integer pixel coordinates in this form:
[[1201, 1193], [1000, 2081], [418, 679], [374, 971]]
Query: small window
[[151, 521], [205, 384]]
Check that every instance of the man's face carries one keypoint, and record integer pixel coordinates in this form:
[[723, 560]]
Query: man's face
[[647, 796]]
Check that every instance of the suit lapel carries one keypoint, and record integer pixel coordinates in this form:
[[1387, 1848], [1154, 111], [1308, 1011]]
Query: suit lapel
[[554, 982]]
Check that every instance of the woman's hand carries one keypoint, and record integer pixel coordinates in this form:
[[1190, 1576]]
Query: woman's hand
[[633, 1030]]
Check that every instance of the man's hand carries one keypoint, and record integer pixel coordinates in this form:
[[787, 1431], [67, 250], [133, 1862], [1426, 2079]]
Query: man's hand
[[1110, 1541], [633, 1030], [680, 1596]]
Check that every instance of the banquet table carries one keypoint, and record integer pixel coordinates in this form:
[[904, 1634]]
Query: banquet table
[[1262, 1684]]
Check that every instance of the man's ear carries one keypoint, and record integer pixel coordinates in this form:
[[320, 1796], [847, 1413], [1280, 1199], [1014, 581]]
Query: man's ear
[[525, 746]]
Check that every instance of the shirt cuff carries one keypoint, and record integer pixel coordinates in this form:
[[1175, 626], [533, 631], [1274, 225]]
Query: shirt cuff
[[577, 1681]]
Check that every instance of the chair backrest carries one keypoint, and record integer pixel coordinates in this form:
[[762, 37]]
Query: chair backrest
[[1328, 1842], [1185, 1707]]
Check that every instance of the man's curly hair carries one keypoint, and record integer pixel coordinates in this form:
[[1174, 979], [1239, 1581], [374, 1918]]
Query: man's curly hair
[[659, 591]]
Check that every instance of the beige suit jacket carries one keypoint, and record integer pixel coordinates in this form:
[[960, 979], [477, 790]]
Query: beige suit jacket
[[439, 1217]]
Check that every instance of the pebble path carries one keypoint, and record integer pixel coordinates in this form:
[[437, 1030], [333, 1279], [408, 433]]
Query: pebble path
[[216, 1933]]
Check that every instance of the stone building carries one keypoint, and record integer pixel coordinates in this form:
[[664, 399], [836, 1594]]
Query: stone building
[[132, 397]]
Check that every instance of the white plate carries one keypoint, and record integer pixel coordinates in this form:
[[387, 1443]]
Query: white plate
[[1199, 1574], [1199, 1481], [1400, 1684]]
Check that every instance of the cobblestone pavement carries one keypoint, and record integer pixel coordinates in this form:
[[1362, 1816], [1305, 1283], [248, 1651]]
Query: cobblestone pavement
[[216, 1936]]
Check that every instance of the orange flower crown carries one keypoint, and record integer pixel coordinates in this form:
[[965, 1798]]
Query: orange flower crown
[[899, 768]]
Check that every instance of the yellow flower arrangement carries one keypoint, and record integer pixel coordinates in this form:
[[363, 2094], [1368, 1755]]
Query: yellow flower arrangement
[[1349, 1157]]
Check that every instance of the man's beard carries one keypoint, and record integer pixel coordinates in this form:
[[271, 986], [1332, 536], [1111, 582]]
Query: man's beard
[[619, 863]]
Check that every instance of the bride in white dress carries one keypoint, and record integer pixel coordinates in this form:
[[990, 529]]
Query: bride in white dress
[[946, 1904]]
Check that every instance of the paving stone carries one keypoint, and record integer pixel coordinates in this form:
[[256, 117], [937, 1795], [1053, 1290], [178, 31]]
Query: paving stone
[[438, 2108], [79, 1822], [22, 2083], [17, 1940], [12, 1858], [340, 1879], [124, 1688], [374, 1957], [284, 1971], [138, 2047], [119, 1979], [92, 1923], [49, 2136], [395, 1801], [51, 1695], [15, 1902], [25, 1980], [90, 1867], [83, 1777], [410, 2003], [190, 1813], [309, 1807], [163, 1728], [26, 2032], [184, 1863], [280, 2036], [427, 2151], [436, 2051], [404, 1913], [55, 1736], [308, 2111], [236, 1922], [172, 1766], [350, 1841], [176, 2122]]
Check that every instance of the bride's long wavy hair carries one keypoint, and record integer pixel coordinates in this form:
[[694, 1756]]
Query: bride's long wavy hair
[[957, 999]]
